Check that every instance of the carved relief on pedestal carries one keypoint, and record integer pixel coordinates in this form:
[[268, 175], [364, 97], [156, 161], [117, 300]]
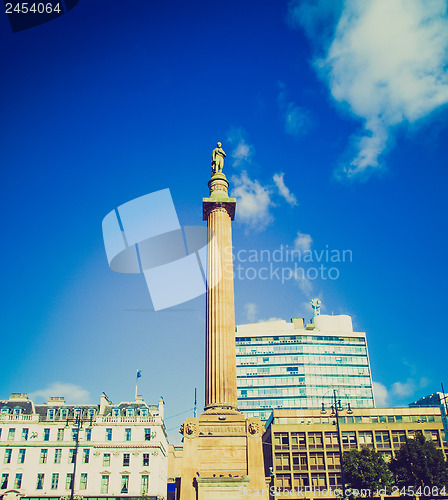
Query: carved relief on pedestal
[[253, 428], [190, 429]]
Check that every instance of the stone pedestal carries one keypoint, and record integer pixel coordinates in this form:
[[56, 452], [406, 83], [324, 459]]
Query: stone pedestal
[[222, 457]]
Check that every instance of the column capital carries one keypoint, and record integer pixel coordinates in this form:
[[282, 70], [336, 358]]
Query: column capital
[[219, 198]]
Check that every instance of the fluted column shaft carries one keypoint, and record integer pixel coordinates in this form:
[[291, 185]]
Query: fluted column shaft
[[220, 323]]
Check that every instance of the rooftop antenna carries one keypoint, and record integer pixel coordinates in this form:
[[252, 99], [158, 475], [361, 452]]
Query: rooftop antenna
[[195, 402], [315, 304]]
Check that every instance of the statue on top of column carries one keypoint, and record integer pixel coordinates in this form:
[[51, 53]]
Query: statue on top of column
[[218, 159]]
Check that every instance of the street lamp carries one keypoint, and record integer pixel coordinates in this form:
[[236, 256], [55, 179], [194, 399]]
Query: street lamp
[[77, 424], [336, 407]]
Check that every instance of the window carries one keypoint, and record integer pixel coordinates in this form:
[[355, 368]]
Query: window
[[145, 459], [83, 481], [72, 456], [7, 457], [398, 438], [21, 456], [115, 412], [104, 485], [129, 412], [147, 434], [283, 480], [144, 412], [85, 456], [5, 410], [77, 412], [17, 410], [382, 439], [282, 461], [11, 434], [25, 434], [299, 461], [315, 440], [331, 439], [281, 440], [75, 434], [43, 456], [91, 413], [40, 482], [46, 434], [88, 434], [108, 434], [69, 481], [318, 481], [54, 481], [57, 455], [365, 439], [106, 460], [145, 484], [127, 434], [60, 436], [298, 441], [124, 484], [317, 461], [301, 480], [50, 414], [432, 435], [126, 459], [334, 480], [349, 439], [333, 460], [4, 482], [18, 481], [64, 413]]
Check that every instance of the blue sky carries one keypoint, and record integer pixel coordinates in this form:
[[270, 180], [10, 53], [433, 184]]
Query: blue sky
[[333, 118]]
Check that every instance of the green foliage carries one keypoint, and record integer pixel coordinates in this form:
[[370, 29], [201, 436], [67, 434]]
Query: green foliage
[[419, 463], [366, 470]]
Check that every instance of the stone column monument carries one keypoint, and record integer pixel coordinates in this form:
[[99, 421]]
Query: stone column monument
[[222, 453]]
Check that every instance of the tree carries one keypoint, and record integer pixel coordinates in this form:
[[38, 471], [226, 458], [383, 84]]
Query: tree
[[419, 463], [366, 470]]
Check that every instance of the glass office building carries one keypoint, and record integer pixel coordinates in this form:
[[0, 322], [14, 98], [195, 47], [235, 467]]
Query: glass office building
[[290, 365]]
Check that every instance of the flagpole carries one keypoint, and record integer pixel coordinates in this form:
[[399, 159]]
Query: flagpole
[[139, 374]]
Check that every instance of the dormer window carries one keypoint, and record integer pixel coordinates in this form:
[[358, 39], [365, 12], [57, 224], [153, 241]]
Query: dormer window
[[91, 413], [130, 412], [77, 412], [5, 410], [144, 412], [64, 413], [50, 414], [17, 410], [115, 412]]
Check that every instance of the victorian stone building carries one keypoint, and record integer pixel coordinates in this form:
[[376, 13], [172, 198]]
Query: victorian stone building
[[56, 450]]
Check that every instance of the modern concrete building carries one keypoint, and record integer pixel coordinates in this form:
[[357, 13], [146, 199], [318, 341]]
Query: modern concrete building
[[302, 450], [101, 451], [290, 365]]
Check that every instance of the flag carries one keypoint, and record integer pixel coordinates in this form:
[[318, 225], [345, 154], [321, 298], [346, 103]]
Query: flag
[[139, 373]]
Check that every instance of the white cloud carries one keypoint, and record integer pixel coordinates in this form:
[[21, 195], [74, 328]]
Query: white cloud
[[303, 242], [242, 152], [71, 392], [251, 311], [381, 394], [284, 190], [296, 119], [387, 63], [305, 284], [253, 201], [273, 318], [403, 389]]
